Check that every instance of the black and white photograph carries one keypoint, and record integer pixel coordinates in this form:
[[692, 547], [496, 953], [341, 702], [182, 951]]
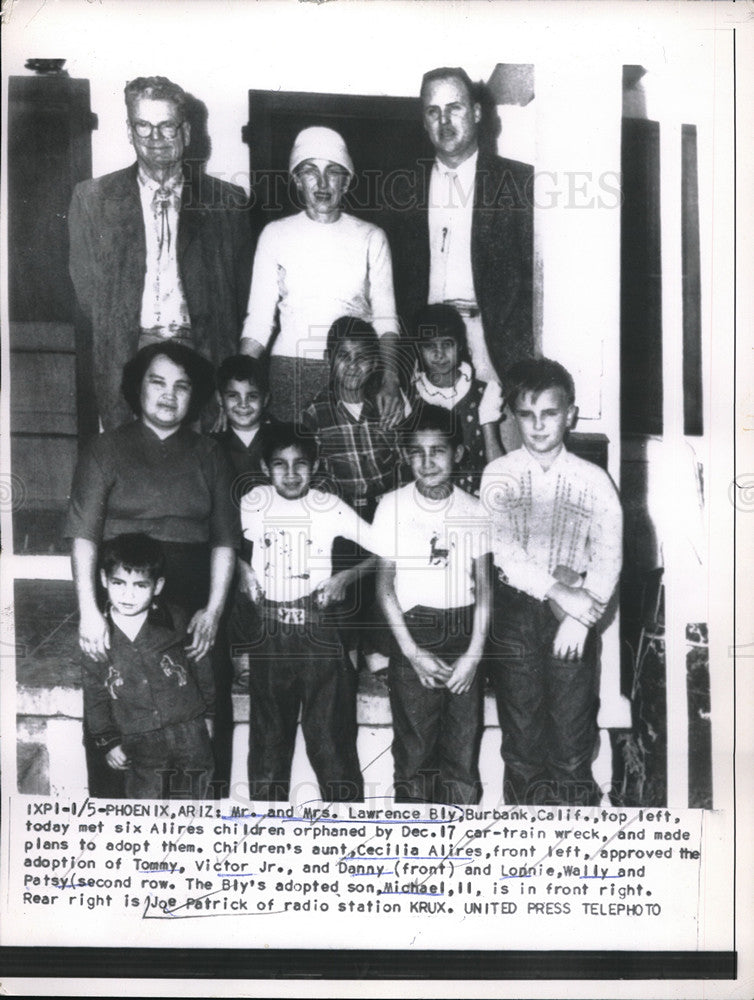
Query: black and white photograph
[[375, 497]]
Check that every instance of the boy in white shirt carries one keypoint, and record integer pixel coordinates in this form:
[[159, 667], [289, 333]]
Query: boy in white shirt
[[558, 546], [435, 589], [296, 659]]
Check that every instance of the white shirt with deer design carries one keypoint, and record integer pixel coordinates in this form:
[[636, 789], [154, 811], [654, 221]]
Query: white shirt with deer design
[[433, 544]]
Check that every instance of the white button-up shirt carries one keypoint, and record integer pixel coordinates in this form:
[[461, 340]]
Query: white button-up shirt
[[163, 303], [567, 515], [451, 205]]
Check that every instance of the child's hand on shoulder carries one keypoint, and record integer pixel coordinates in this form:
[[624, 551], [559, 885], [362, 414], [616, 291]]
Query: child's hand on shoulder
[[464, 672], [220, 424], [390, 402], [430, 669], [94, 635], [491, 404], [116, 759]]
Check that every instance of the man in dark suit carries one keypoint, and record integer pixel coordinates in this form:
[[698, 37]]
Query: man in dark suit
[[461, 229], [158, 250]]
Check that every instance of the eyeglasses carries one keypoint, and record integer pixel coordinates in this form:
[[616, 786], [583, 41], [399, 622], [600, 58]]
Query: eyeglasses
[[166, 130]]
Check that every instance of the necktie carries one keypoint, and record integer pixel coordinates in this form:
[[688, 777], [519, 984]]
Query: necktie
[[451, 201], [160, 203]]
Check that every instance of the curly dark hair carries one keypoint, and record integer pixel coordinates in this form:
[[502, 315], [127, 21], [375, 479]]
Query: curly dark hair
[[438, 319], [133, 552], [278, 436], [200, 372], [243, 368]]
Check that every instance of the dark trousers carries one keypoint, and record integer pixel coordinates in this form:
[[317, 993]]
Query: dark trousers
[[436, 734], [187, 578], [360, 619], [170, 763], [300, 667], [547, 707]]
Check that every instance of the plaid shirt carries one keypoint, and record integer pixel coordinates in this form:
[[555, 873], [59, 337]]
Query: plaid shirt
[[358, 459]]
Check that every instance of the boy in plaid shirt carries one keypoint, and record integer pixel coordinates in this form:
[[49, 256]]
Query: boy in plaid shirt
[[359, 459]]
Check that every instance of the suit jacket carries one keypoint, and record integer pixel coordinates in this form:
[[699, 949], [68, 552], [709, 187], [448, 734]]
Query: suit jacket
[[108, 264], [501, 251]]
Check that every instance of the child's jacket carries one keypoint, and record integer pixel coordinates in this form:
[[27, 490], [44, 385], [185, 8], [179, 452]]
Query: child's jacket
[[146, 684]]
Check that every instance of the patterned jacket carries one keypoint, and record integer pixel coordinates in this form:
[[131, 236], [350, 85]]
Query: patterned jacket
[[148, 683]]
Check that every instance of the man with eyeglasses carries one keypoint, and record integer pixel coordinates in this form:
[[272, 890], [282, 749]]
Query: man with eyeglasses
[[159, 250]]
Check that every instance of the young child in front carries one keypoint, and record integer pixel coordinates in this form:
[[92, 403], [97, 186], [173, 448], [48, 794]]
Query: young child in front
[[148, 706], [435, 589], [558, 546], [243, 394], [359, 459], [296, 658], [444, 376]]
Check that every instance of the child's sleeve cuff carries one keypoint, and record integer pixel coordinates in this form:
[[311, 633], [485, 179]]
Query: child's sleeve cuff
[[106, 741]]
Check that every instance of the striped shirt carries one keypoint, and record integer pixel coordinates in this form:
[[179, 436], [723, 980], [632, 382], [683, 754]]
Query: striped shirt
[[568, 515]]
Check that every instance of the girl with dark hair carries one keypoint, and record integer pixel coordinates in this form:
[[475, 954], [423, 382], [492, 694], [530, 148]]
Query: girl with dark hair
[[444, 376]]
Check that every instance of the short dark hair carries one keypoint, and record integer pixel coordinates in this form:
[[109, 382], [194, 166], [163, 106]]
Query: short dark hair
[[277, 436], [156, 88], [535, 375], [434, 418], [359, 330], [243, 368], [133, 552], [440, 320], [447, 72], [200, 372]]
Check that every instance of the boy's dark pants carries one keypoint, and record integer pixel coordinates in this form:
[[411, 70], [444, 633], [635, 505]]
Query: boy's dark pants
[[547, 707], [304, 666], [187, 580], [436, 733], [171, 763]]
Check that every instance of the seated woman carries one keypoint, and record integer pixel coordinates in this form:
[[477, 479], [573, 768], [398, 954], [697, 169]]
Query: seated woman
[[313, 267], [156, 476]]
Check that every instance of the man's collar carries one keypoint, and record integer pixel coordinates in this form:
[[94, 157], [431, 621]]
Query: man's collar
[[465, 170], [173, 183]]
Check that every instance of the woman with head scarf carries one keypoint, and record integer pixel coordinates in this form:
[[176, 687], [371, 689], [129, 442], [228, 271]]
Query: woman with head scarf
[[311, 268]]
